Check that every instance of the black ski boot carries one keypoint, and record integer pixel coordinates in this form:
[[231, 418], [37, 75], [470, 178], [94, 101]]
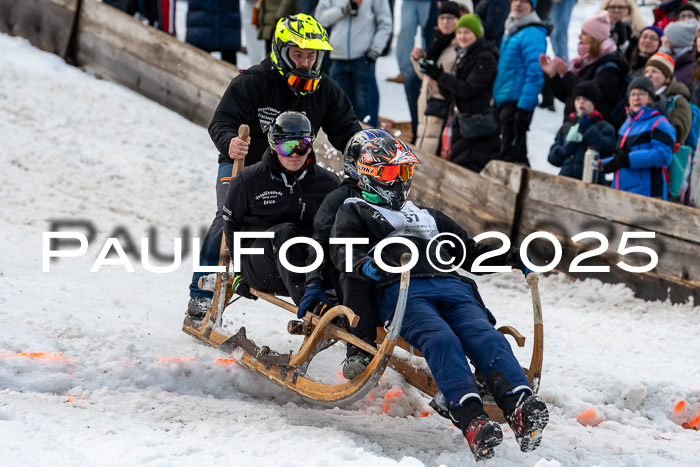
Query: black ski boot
[[528, 421]]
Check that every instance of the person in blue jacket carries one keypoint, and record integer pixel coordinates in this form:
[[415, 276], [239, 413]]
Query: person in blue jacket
[[645, 145], [584, 129], [215, 26], [519, 79]]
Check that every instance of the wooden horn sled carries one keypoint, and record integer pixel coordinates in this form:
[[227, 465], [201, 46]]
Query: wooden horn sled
[[320, 332]]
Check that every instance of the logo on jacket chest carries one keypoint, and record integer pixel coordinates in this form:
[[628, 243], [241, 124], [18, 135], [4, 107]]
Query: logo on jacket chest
[[269, 197], [266, 115]]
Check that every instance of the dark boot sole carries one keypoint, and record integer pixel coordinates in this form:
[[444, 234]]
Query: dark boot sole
[[484, 448], [536, 417]]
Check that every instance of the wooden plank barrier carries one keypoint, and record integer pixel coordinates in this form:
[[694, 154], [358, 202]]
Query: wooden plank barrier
[[504, 197]]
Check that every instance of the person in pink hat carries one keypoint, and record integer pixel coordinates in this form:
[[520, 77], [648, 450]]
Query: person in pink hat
[[599, 61]]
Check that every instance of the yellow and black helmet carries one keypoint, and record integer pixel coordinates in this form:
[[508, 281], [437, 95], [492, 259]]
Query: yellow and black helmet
[[305, 32]]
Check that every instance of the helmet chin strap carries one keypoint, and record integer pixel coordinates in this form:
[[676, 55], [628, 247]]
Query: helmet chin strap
[[372, 198]]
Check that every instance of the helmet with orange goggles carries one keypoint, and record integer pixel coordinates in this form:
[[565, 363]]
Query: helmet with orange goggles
[[385, 169], [304, 32], [354, 148], [291, 133]]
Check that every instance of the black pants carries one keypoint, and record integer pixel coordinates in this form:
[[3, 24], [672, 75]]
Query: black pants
[[358, 295], [267, 274], [513, 143]]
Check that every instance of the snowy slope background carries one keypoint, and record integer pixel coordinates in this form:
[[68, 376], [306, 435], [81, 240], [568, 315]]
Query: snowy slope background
[[95, 370]]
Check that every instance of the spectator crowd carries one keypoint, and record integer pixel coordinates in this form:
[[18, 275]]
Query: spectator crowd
[[630, 94]]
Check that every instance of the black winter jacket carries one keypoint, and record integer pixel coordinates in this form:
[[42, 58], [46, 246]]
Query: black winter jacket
[[323, 222], [470, 88], [257, 95], [599, 136], [608, 73], [361, 219], [263, 195]]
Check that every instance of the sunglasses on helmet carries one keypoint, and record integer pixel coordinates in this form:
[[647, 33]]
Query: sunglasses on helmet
[[287, 147], [387, 173]]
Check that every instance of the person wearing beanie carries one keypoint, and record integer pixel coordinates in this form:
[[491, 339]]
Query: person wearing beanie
[[450, 8], [519, 79], [599, 61], [678, 41], [667, 12], [688, 12], [584, 129], [673, 95], [644, 146], [648, 44], [472, 23], [470, 88], [432, 107]]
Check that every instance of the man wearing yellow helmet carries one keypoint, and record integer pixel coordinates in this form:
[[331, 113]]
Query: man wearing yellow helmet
[[290, 78]]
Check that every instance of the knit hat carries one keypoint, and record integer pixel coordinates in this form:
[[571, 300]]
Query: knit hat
[[663, 62], [681, 34], [659, 32], [589, 90], [466, 3], [472, 22], [688, 7], [643, 83], [597, 26], [449, 8]]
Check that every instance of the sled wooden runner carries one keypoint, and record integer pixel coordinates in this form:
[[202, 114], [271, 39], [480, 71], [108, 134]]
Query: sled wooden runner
[[288, 370]]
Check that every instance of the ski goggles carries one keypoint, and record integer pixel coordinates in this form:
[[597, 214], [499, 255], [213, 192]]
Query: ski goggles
[[287, 147], [387, 173], [300, 84]]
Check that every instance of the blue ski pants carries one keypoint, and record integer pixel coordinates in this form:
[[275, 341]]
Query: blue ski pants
[[445, 322]]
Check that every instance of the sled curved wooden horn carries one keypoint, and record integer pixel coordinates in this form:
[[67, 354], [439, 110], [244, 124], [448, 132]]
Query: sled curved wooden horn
[[534, 373], [327, 395]]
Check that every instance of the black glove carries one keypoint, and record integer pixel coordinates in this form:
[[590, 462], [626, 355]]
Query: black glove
[[620, 29], [621, 159], [430, 68], [241, 288], [513, 260], [351, 8], [371, 56], [522, 121]]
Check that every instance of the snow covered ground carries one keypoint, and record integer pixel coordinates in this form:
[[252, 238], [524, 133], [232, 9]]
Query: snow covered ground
[[94, 369]]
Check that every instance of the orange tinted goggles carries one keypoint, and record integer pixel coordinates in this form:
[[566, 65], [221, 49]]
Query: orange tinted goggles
[[303, 84], [388, 173]]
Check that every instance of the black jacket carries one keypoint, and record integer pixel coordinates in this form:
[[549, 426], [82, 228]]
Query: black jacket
[[599, 136], [608, 73], [323, 222], [360, 219], [257, 95], [470, 89], [263, 195]]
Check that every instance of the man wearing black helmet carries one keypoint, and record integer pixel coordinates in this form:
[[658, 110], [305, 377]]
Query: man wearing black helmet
[[279, 194], [289, 78]]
